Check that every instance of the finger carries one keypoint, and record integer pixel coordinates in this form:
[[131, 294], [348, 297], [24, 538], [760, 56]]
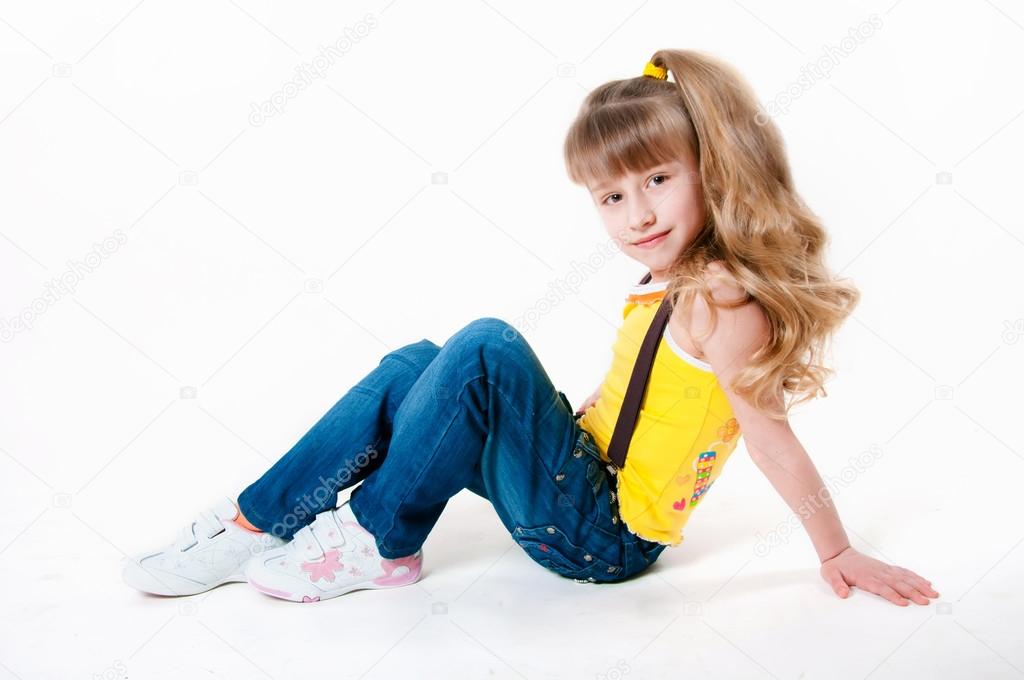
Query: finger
[[909, 591], [925, 587], [909, 573], [835, 579], [919, 582], [886, 591]]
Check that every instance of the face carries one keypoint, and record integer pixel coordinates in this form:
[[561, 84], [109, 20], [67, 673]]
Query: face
[[653, 215]]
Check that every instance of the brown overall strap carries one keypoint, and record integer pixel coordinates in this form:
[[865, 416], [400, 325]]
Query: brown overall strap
[[625, 424]]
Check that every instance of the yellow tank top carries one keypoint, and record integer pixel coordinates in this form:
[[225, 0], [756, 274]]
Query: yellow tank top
[[684, 434]]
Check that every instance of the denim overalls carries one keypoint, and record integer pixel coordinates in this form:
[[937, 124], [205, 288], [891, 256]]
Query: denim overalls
[[603, 550], [479, 413]]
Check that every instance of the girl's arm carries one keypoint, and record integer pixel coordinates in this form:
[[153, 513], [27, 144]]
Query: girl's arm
[[775, 450], [792, 473]]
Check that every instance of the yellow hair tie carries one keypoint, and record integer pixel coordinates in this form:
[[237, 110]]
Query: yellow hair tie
[[655, 71]]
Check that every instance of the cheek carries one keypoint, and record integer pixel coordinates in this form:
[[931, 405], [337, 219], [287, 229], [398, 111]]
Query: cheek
[[614, 231], [698, 208], [688, 208]]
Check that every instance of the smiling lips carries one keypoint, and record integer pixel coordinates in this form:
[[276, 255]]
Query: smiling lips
[[652, 241]]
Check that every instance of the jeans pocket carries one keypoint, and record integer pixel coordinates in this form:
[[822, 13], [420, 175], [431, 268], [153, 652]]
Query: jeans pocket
[[586, 461], [578, 477], [551, 548]]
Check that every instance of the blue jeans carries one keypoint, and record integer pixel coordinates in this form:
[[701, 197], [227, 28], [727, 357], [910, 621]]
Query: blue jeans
[[479, 413]]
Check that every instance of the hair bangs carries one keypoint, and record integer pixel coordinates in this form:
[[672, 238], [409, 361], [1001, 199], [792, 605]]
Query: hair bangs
[[611, 141]]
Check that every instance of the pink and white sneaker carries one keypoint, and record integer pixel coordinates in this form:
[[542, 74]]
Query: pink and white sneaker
[[331, 556]]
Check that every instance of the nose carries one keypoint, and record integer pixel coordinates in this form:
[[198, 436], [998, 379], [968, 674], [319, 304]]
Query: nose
[[641, 215]]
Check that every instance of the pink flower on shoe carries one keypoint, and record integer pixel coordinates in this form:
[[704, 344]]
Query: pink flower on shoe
[[325, 569]]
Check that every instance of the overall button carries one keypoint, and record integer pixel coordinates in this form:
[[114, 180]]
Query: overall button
[[588, 557], [559, 477], [551, 530]]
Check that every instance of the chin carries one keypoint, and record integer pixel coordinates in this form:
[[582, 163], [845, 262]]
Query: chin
[[657, 261]]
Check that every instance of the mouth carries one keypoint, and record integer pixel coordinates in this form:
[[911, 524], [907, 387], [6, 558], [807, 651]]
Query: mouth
[[652, 241]]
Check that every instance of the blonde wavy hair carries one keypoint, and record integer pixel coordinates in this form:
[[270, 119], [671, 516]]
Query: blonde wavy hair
[[768, 240]]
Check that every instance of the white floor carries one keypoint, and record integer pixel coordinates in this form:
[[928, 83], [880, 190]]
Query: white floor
[[712, 607]]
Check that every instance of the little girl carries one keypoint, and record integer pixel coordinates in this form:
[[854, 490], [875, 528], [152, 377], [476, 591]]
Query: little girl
[[691, 180]]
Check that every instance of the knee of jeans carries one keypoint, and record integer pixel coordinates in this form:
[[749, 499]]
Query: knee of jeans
[[417, 354], [489, 330]]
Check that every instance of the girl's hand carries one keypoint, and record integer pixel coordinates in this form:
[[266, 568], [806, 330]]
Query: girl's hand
[[589, 401], [896, 584]]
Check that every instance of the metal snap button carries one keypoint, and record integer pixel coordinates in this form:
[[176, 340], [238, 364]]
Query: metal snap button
[[611, 570], [551, 530], [587, 558], [615, 520], [559, 477]]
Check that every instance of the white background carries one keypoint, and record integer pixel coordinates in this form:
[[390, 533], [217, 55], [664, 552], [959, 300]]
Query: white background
[[266, 268]]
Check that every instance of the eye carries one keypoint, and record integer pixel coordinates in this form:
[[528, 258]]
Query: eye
[[606, 200]]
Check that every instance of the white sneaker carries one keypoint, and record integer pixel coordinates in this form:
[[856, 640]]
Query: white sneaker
[[331, 556], [208, 552]]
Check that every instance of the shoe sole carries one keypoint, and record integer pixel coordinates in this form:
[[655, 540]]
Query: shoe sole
[[388, 580], [166, 592]]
